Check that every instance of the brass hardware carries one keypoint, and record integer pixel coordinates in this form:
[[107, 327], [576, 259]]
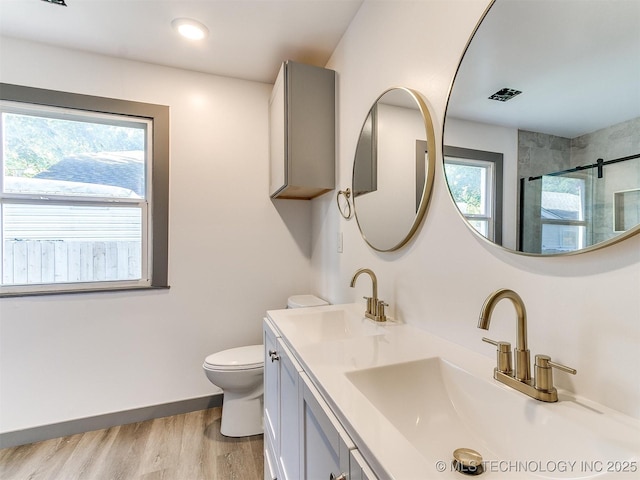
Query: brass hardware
[[503, 354], [541, 387], [381, 317], [544, 375], [521, 353], [375, 307], [467, 461], [345, 210]]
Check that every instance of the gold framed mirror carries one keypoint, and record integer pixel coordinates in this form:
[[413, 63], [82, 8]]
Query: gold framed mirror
[[541, 142], [393, 169]]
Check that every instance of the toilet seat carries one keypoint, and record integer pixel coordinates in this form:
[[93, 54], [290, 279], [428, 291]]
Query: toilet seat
[[239, 358]]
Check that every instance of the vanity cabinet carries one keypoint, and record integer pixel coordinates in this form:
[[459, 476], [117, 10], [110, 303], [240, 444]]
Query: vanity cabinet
[[303, 438], [324, 443], [271, 386], [358, 467], [281, 412], [302, 132]]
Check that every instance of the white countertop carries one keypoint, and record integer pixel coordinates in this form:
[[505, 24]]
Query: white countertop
[[331, 341]]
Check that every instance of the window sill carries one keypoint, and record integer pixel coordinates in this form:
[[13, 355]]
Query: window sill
[[87, 290]]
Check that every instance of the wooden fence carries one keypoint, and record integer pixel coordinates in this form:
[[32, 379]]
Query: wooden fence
[[58, 261]]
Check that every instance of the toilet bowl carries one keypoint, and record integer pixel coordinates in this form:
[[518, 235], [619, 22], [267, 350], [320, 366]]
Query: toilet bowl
[[239, 372]]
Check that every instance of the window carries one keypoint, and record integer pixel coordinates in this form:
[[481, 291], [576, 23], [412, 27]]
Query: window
[[555, 209], [83, 192], [475, 182]]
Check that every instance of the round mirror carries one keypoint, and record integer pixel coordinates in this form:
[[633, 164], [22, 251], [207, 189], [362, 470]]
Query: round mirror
[[541, 143], [393, 169]]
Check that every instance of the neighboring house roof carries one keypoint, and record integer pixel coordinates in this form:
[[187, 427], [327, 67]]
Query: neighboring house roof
[[108, 175], [43, 186], [119, 169], [561, 206]]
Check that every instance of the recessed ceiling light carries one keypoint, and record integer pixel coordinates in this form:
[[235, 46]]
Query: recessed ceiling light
[[191, 29]]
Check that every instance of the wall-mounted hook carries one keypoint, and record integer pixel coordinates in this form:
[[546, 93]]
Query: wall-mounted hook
[[346, 207]]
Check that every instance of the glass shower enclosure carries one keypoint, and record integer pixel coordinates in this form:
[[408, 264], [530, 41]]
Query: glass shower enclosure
[[573, 209]]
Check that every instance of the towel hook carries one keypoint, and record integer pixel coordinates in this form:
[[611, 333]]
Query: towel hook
[[344, 208]]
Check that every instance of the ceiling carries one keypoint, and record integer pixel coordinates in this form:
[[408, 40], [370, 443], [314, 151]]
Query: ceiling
[[577, 63], [247, 39]]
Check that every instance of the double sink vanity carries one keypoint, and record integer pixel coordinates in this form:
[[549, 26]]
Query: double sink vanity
[[347, 397], [351, 394]]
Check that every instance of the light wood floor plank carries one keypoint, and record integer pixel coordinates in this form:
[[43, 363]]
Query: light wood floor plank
[[163, 448], [182, 447], [89, 457]]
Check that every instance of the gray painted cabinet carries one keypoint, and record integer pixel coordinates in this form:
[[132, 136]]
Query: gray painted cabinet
[[302, 132], [304, 440]]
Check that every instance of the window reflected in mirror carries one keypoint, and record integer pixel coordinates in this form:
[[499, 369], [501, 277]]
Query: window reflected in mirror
[[475, 183]]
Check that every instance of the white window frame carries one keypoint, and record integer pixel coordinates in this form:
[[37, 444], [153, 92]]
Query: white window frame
[[154, 205]]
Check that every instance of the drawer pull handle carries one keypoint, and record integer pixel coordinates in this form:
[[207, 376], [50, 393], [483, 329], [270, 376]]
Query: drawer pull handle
[[274, 355], [342, 476]]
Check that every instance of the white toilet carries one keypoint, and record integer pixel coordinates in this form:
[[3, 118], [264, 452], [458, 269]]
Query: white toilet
[[301, 301], [239, 373]]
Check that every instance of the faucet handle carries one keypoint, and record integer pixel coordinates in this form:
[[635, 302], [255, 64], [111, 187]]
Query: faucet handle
[[503, 354], [544, 373], [380, 314], [371, 306], [564, 368]]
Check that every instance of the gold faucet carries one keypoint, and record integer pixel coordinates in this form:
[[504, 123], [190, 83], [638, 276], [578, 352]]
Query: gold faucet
[[375, 307], [522, 356], [541, 387]]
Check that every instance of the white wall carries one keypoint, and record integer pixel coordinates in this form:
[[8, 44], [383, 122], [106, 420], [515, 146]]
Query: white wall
[[233, 253], [584, 310]]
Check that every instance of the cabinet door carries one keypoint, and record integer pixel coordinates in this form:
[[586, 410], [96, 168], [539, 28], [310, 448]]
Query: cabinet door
[[302, 131], [289, 448], [271, 384], [277, 135], [270, 463], [324, 444], [358, 467]]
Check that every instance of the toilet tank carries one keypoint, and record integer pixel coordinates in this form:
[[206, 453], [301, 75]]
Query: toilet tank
[[302, 301]]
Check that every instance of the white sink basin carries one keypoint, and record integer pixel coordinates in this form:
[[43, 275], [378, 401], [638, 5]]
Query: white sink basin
[[439, 407], [314, 325]]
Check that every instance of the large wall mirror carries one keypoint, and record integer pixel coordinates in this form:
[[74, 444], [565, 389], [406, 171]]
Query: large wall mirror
[[541, 143], [393, 169]]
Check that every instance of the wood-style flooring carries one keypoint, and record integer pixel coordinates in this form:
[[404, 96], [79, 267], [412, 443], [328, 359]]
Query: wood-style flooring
[[181, 447]]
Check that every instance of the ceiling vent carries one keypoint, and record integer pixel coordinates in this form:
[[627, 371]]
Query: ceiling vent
[[505, 94]]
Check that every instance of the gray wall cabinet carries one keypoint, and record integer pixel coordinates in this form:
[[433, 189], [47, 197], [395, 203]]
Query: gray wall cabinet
[[302, 135]]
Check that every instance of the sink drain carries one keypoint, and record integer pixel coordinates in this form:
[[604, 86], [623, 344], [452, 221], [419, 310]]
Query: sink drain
[[467, 461]]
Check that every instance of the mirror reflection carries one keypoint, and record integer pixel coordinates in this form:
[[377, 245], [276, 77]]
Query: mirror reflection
[[392, 169], [542, 130]]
